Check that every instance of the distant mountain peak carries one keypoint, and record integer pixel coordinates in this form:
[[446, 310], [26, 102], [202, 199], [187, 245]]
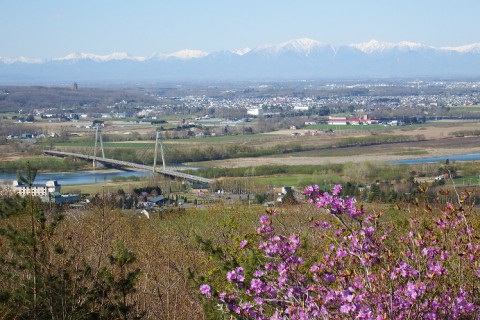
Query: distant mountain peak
[[243, 51], [302, 44], [98, 58], [187, 54], [373, 46], [6, 60], [469, 48]]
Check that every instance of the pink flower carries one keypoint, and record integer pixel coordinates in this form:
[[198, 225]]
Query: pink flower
[[337, 189], [206, 290], [328, 277], [243, 243]]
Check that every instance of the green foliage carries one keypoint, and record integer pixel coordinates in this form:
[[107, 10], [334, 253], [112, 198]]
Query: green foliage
[[148, 189], [12, 205], [116, 284], [377, 139], [289, 198], [226, 255], [43, 164], [44, 276], [261, 197], [30, 175], [29, 284], [130, 178], [269, 170]]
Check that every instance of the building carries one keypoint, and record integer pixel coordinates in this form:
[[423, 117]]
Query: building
[[36, 190], [158, 200], [338, 121], [280, 193], [255, 112], [351, 120], [58, 198], [301, 108]]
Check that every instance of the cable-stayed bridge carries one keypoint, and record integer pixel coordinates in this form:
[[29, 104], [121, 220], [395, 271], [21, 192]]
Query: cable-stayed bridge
[[166, 172], [163, 170]]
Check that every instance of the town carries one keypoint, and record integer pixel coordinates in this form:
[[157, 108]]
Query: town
[[253, 109]]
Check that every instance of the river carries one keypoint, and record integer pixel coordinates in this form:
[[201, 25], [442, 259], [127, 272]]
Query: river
[[79, 177], [463, 157]]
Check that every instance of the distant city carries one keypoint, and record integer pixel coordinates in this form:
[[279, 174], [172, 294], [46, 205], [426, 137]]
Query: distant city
[[241, 109]]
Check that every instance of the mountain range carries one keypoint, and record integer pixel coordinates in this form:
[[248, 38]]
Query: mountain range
[[299, 59]]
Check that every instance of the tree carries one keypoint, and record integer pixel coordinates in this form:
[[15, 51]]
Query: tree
[[116, 285], [289, 197], [29, 179]]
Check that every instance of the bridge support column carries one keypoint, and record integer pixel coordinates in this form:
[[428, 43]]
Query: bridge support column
[[98, 137], [157, 140]]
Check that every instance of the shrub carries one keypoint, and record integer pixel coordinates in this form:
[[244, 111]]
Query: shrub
[[365, 271]]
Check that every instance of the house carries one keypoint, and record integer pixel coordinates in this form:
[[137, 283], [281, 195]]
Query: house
[[98, 123], [444, 176], [159, 200], [281, 192], [36, 190], [200, 188]]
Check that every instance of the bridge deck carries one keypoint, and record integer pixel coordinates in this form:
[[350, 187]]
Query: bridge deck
[[166, 172]]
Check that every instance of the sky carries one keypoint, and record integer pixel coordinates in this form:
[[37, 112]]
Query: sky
[[55, 28]]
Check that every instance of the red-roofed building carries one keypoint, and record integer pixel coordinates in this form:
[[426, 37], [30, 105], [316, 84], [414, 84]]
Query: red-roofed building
[[351, 120]]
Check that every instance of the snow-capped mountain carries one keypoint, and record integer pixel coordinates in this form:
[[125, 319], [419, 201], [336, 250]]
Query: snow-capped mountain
[[187, 54], [302, 46], [374, 46], [98, 58], [6, 60], [471, 48], [242, 51], [296, 59]]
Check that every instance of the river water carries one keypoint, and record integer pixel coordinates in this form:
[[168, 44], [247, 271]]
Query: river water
[[85, 177], [80, 177], [464, 157]]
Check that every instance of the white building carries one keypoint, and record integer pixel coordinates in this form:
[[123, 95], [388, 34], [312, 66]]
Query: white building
[[255, 112], [37, 190], [301, 108]]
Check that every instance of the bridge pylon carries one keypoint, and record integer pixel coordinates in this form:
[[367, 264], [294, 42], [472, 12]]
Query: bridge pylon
[[98, 138], [157, 141]]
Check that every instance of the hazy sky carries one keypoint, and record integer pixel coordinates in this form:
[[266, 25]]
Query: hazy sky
[[55, 28]]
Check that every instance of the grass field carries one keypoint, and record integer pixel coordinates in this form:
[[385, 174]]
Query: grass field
[[296, 180], [373, 127]]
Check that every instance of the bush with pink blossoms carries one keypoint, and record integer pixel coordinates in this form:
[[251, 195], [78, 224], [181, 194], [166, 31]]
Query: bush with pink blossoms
[[363, 272]]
